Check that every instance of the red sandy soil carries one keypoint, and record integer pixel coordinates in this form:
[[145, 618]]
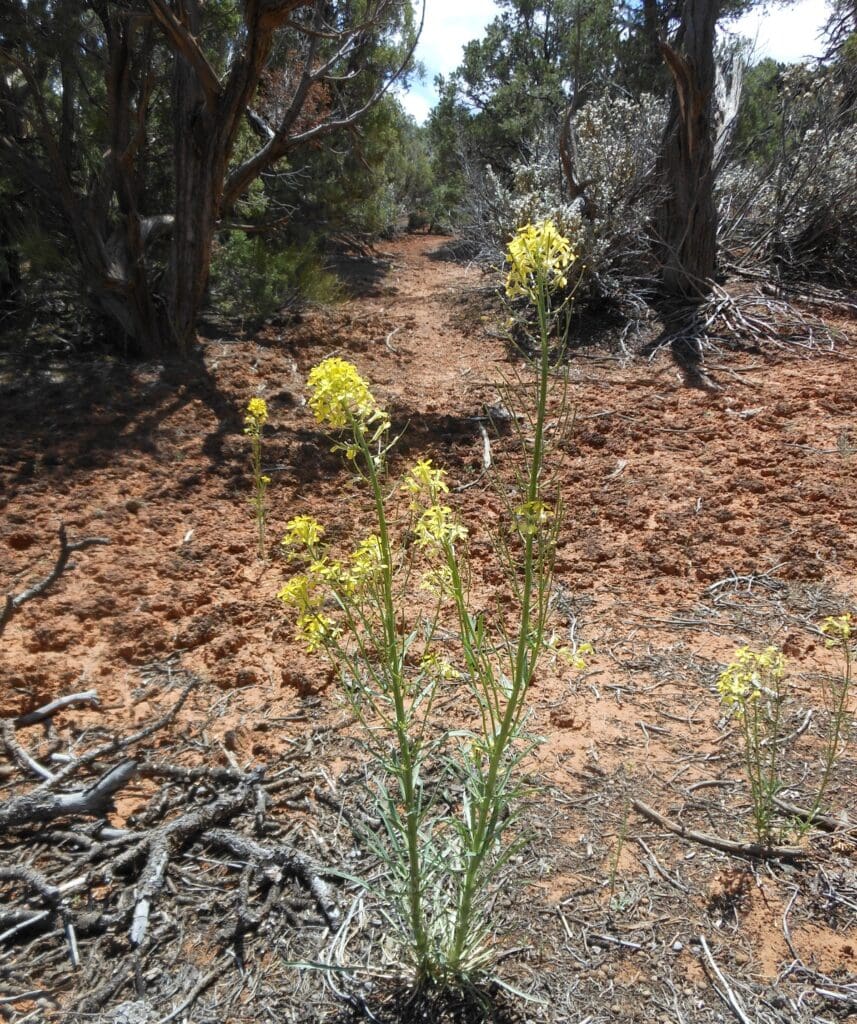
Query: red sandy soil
[[698, 520]]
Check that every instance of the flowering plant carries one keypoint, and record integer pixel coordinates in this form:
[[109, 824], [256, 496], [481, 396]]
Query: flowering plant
[[752, 689], [403, 666], [255, 419]]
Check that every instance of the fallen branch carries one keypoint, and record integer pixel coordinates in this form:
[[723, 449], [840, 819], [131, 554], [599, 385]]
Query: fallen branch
[[161, 846], [287, 860], [757, 850], [727, 995], [13, 603], [47, 710], [94, 801], [826, 822]]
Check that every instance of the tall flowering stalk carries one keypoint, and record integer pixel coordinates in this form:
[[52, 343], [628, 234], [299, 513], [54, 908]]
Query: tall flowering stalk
[[255, 419], [367, 612], [752, 687]]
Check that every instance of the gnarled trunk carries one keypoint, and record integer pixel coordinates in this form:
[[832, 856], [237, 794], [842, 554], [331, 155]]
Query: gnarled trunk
[[686, 224]]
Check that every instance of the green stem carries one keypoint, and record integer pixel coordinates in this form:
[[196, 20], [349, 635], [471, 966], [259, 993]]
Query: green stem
[[407, 754], [486, 818], [838, 710]]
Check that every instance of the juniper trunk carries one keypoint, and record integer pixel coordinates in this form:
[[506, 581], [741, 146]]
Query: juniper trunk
[[686, 224]]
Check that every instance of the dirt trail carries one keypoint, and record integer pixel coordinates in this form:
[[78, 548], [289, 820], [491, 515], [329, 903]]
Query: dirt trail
[[698, 522]]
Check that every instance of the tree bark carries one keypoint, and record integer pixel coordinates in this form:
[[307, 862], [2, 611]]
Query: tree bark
[[686, 222]]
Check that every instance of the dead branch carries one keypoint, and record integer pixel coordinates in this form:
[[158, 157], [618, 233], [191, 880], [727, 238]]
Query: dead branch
[[163, 844], [295, 864], [13, 603], [826, 822], [47, 710], [757, 850], [727, 995], [93, 801]]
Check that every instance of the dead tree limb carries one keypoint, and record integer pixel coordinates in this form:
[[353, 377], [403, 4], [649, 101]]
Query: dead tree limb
[[93, 801], [757, 850], [286, 860], [67, 548], [166, 841], [47, 710]]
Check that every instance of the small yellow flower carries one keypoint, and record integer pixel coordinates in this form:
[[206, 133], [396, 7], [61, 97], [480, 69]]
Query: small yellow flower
[[432, 664], [340, 397], [532, 516], [438, 581], [302, 531], [436, 528], [749, 674], [367, 564], [538, 256], [316, 630], [300, 593], [256, 416], [423, 480], [838, 629]]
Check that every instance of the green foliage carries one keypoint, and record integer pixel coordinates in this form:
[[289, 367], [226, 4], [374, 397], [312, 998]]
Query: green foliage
[[253, 276], [760, 120]]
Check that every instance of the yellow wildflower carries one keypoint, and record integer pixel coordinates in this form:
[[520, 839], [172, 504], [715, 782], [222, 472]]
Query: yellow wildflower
[[316, 630], [432, 664], [423, 480], [532, 516], [438, 581], [299, 592], [367, 562], [256, 416], [340, 396], [749, 674], [436, 527], [302, 531], [838, 629], [537, 255]]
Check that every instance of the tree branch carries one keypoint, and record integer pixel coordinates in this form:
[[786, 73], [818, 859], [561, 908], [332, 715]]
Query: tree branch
[[183, 43]]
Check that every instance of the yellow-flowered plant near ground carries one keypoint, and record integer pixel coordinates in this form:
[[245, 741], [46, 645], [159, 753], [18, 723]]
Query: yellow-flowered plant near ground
[[402, 674], [255, 419], [752, 687]]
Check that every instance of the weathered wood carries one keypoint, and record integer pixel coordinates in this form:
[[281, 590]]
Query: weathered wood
[[686, 221], [93, 801], [716, 843]]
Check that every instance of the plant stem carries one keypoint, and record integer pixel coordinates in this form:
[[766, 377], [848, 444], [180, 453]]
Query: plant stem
[[408, 758], [524, 665]]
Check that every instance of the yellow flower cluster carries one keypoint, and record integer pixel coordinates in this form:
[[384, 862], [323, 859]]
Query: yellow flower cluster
[[432, 664], [538, 256], [436, 528], [438, 581], [424, 481], [256, 416], [532, 516], [302, 532], [313, 627], [838, 629], [340, 397], [749, 674]]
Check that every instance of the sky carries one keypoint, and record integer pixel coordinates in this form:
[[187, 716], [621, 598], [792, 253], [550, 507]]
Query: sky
[[786, 34]]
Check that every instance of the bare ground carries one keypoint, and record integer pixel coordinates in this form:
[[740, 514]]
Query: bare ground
[[699, 520]]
